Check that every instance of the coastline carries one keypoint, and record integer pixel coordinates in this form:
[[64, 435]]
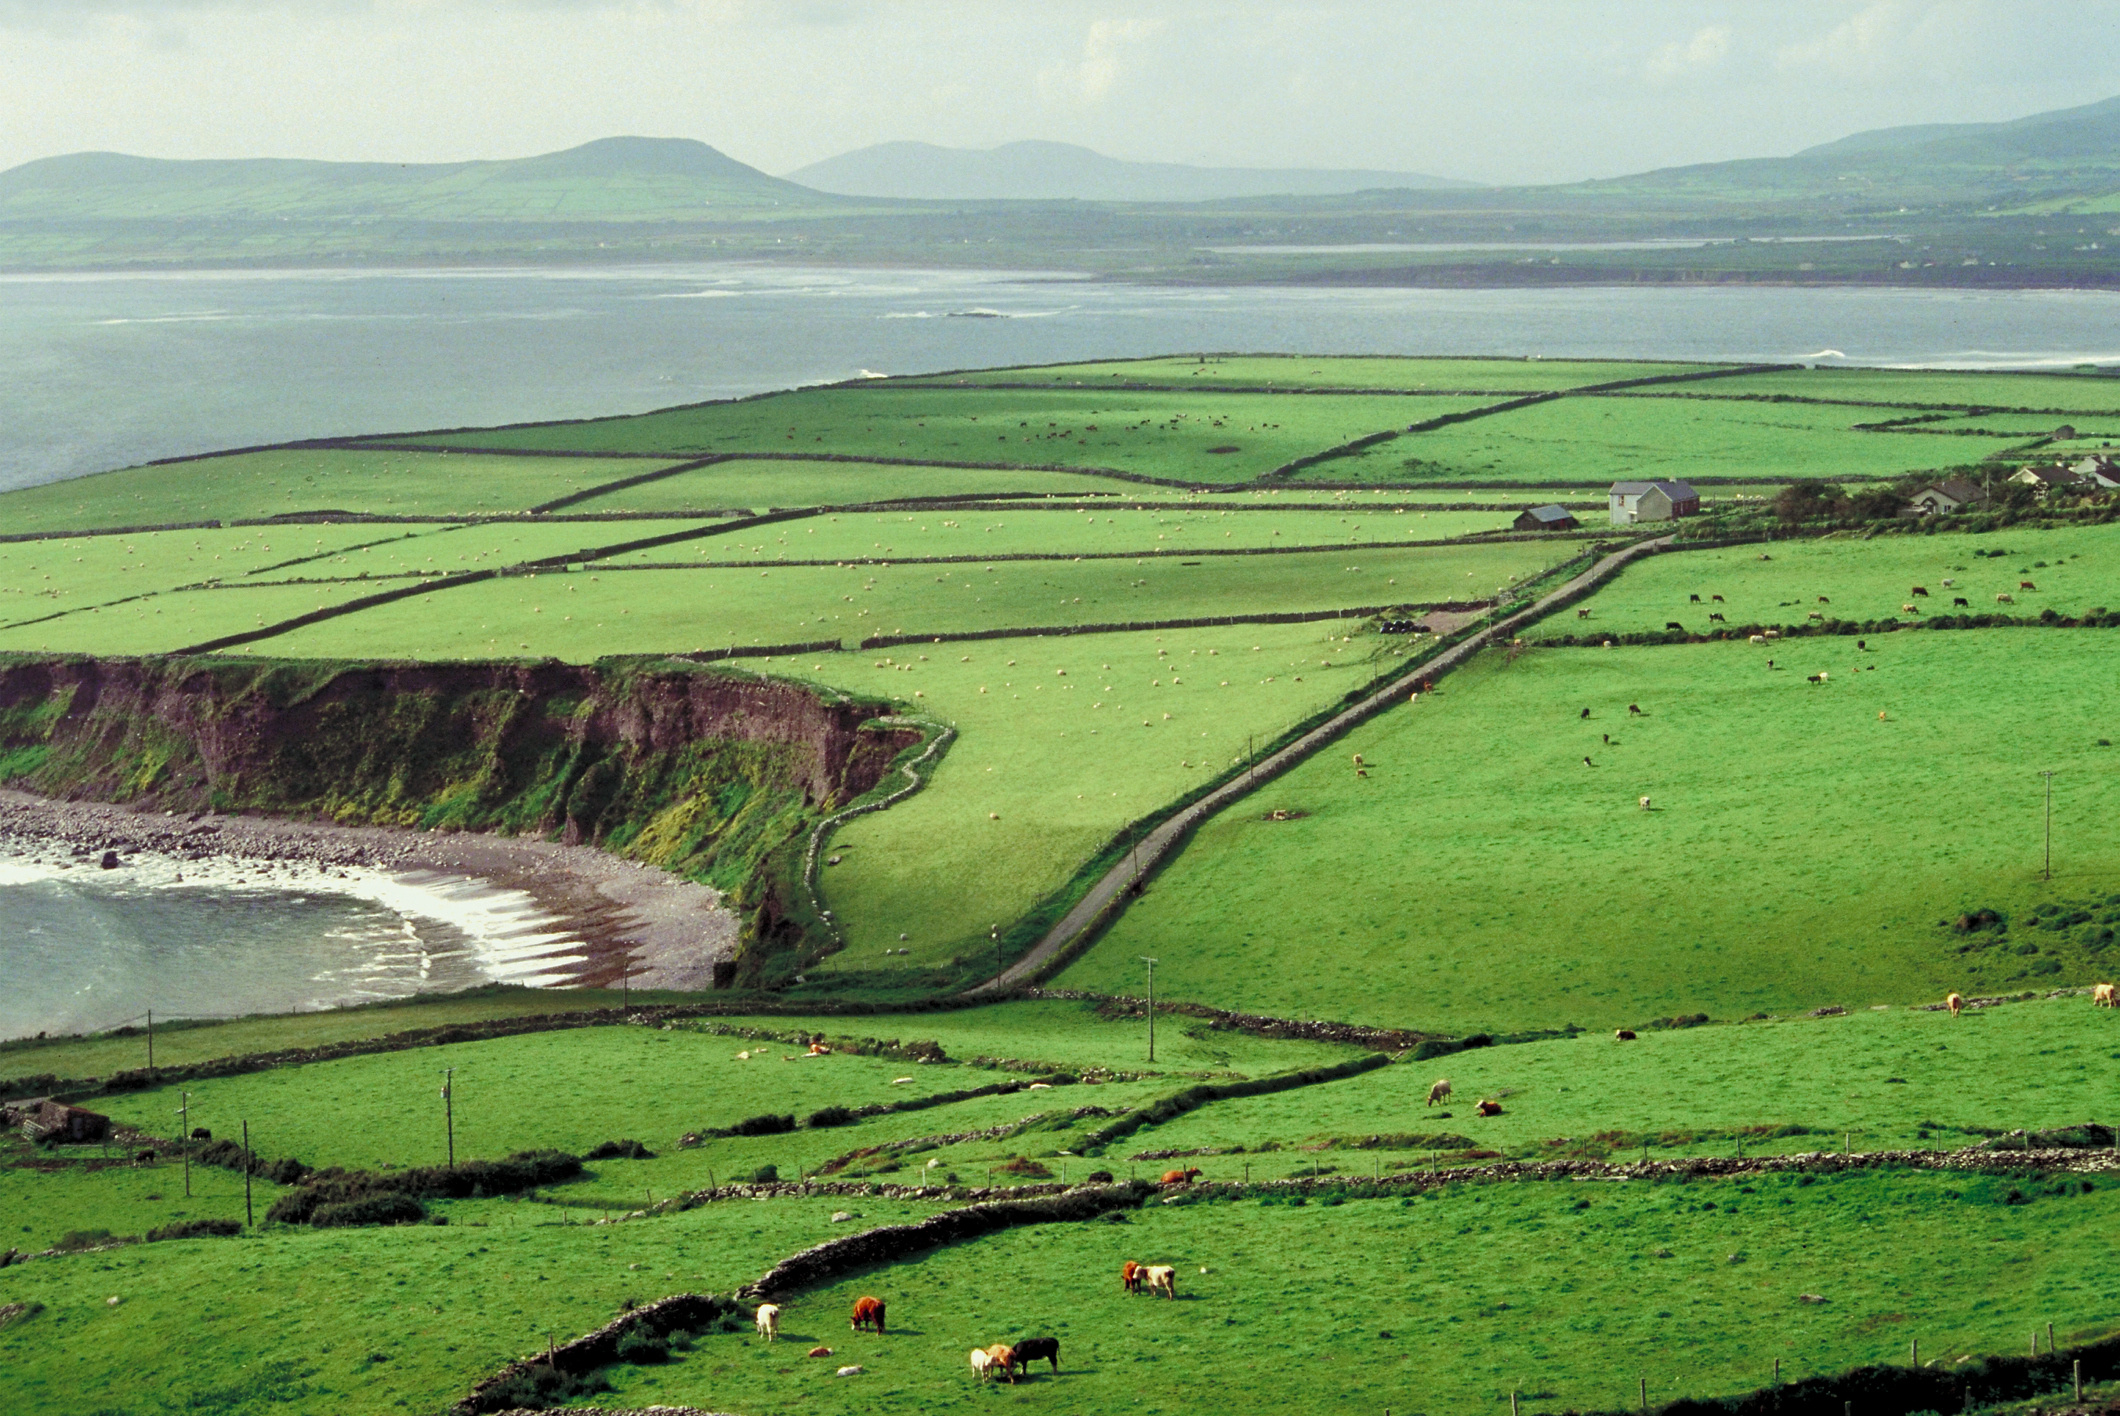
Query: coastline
[[611, 917]]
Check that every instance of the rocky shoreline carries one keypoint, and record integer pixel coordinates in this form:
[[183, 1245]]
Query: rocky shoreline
[[654, 928]]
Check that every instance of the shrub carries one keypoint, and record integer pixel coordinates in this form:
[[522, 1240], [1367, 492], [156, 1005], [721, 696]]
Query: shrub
[[764, 1175], [641, 1347], [536, 1387], [829, 1116], [75, 1240], [619, 1150], [1025, 1167], [370, 1209], [195, 1229], [767, 1125], [1099, 1177]]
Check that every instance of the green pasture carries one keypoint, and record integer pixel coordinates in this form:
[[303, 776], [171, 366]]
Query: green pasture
[[1300, 371], [172, 620], [761, 484], [2072, 570], [1900, 1078], [581, 616], [45, 1196], [1801, 850], [1645, 436], [1565, 1293], [1188, 437], [1014, 809], [255, 484], [1934, 388], [39, 578], [1075, 530], [564, 1090], [324, 1321]]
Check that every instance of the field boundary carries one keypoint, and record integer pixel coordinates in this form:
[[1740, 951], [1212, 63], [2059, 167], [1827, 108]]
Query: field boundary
[[1107, 898], [937, 745]]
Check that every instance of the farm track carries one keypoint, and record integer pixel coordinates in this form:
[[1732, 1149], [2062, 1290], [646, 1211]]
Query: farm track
[[1107, 896]]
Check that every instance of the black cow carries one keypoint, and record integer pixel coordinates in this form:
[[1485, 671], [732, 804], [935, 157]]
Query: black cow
[[1030, 1349]]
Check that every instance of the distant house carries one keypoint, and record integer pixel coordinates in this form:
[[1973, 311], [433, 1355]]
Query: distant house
[[1546, 518], [1652, 501], [2099, 468], [2065, 433], [2047, 476], [1948, 496]]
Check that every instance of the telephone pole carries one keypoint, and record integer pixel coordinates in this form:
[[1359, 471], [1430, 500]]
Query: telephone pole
[[185, 1144], [250, 1218], [2049, 869], [150, 1044], [1151, 1005], [449, 1110]]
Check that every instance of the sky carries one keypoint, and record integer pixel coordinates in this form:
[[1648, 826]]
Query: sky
[[1504, 91]]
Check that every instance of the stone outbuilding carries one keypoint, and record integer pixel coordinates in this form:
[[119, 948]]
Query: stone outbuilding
[[1554, 517], [1652, 501]]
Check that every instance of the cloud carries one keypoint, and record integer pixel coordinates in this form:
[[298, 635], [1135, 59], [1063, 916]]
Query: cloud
[[1874, 38], [1705, 50], [1090, 79]]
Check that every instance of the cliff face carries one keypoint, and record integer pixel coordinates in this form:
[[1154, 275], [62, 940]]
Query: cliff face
[[706, 772]]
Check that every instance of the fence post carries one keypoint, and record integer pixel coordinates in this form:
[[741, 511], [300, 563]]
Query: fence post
[[1917, 1350], [2079, 1381], [1645, 1396], [1512, 1401], [2049, 1339]]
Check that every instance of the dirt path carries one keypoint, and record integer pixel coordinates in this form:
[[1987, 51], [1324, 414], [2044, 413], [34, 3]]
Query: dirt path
[[1109, 893]]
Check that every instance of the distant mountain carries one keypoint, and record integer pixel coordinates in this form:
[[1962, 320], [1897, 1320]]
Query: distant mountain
[[612, 179], [1039, 171], [2065, 155]]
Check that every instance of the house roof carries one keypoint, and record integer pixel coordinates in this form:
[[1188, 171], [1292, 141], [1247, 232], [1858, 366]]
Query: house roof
[[2052, 474], [1555, 512], [1677, 491], [1957, 489]]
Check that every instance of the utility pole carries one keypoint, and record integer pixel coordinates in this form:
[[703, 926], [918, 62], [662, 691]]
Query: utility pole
[[250, 1218], [151, 1043], [449, 1110], [625, 985], [2049, 823], [1151, 1005], [185, 1144]]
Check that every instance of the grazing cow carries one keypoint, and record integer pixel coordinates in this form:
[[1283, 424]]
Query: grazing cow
[[1439, 1092], [1673, 624], [1358, 759], [1634, 710], [1880, 715], [1004, 1357], [1906, 609], [1955, 1002], [2026, 585], [982, 1363], [1033, 1349], [1717, 617], [1918, 590], [1624, 1035], [1764, 556], [769, 1321], [1695, 599], [1490, 1107], [2102, 996], [1862, 644], [1814, 615], [1823, 600], [1960, 600], [1816, 678], [1181, 1177], [1130, 1276], [1588, 763], [1162, 1278], [146, 1157], [2005, 599], [1717, 599], [1645, 803], [819, 1352], [1586, 712], [868, 1312], [1582, 614]]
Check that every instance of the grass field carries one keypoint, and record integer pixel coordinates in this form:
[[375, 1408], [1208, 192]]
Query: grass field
[[297, 1321], [585, 615], [1062, 762], [761, 484], [1075, 530], [1801, 851], [255, 484], [1189, 437], [1647, 436], [1565, 1293], [1507, 376], [1935, 388], [2073, 570]]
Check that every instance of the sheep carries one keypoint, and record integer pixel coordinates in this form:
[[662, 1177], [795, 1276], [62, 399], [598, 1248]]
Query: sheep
[[1814, 615], [1772, 634], [1947, 584], [2005, 599], [769, 1321], [1954, 1001], [1645, 803], [1440, 1092], [2102, 996], [1162, 1278]]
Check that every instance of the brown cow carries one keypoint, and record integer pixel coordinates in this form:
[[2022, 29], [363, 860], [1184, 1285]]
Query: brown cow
[[1181, 1177], [867, 1312], [1918, 590], [1490, 1107], [1954, 1001], [2026, 585], [1004, 1357], [1130, 1276]]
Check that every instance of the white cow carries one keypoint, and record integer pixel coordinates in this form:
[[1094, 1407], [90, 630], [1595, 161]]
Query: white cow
[[769, 1321]]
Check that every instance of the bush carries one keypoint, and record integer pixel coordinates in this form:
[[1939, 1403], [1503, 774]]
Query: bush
[[767, 1125], [1099, 1177], [537, 1387], [641, 1347], [195, 1229], [619, 1150], [75, 1240], [829, 1116], [371, 1209], [522, 1171], [763, 1175]]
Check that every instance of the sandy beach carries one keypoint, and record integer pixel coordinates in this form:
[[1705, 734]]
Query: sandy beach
[[613, 916]]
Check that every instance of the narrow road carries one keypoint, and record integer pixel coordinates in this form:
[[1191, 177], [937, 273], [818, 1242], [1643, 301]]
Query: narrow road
[[1109, 892]]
